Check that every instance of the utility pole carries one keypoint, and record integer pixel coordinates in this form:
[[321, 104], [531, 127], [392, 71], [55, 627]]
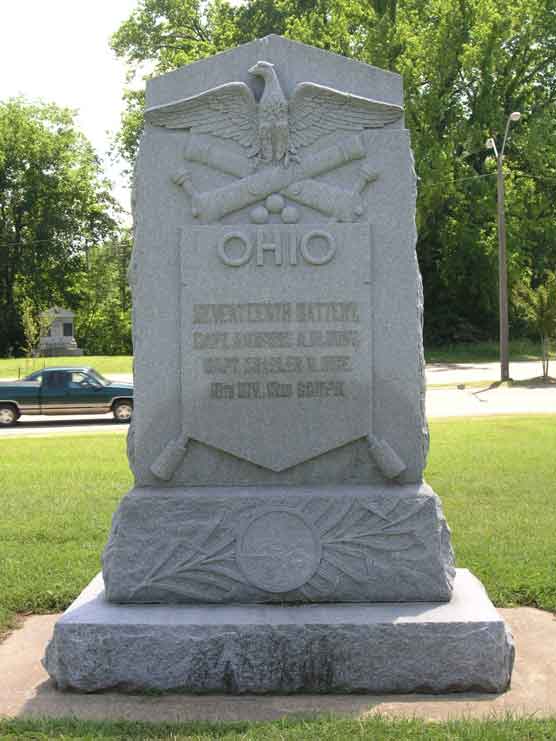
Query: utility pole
[[502, 278], [502, 257]]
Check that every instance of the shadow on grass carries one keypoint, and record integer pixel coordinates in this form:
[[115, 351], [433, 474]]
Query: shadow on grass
[[439, 367], [534, 383], [539, 382]]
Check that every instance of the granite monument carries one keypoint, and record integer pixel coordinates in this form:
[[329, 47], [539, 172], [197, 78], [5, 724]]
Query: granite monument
[[57, 337], [280, 536]]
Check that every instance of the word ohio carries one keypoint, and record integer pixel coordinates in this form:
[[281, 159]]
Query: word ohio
[[274, 247]]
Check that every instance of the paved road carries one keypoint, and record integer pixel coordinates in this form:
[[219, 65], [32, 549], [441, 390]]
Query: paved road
[[441, 402], [497, 401], [456, 373], [41, 426]]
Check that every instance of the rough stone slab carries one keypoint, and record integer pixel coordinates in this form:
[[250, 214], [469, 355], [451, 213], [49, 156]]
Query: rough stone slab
[[385, 543], [176, 394], [317, 64], [454, 647]]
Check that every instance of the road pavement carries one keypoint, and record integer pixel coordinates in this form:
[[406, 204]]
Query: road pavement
[[444, 399], [479, 402], [42, 426], [457, 373]]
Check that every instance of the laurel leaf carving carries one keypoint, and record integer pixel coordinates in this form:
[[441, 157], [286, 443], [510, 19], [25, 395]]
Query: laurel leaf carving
[[361, 540]]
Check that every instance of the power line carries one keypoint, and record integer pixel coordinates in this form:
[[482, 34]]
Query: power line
[[546, 178], [24, 241], [458, 180], [517, 174], [27, 242]]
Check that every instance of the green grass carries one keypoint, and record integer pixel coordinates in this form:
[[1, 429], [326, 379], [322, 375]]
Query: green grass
[[483, 352], [20, 367], [325, 729], [496, 477], [57, 497], [497, 480]]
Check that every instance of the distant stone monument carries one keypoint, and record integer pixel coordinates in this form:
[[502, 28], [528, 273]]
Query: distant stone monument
[[57, 333], [279, 537]]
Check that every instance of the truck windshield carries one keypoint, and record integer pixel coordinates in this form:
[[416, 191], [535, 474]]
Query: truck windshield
[[36, 376], [95, 375]]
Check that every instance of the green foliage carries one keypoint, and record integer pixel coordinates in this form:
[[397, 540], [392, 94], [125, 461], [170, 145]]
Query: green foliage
[[539, 306], [466, 65], [31, 325], [53, 206], [103, 320]]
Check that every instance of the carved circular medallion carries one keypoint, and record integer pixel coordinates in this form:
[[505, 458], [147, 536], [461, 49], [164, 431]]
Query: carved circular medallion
[[278, 550]]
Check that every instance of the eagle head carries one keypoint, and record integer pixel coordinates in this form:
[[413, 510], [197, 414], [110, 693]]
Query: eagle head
[[260, 68]]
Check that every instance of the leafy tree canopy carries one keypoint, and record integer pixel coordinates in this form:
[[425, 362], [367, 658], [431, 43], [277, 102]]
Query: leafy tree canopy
[[54, 205], [466, 64], [103, 320]]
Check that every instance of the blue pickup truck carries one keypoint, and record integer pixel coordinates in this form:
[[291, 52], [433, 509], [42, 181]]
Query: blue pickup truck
[[65, 391]]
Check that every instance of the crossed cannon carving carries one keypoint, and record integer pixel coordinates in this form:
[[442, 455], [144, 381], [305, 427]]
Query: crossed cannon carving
[[296, 181]]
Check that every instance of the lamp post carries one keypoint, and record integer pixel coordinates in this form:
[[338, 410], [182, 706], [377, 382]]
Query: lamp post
[[502, 259]]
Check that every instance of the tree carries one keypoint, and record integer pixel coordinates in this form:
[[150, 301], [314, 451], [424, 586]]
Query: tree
[[539, 304], [466, 65], [54, 205], [103, 313], [31, 326]]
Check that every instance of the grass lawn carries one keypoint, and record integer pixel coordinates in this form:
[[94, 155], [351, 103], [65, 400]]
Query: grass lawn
[[497, 480], [483, 352], [326, 729], [496, 477], [16, 367], [57, 497]]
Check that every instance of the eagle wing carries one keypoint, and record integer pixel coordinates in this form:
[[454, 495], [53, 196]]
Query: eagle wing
[[315, 111], [228, 111]]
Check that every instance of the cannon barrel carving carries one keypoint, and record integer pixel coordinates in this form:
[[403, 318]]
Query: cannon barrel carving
[[209, 207]]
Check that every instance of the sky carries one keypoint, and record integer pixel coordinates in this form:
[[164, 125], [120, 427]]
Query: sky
[[58, 51]]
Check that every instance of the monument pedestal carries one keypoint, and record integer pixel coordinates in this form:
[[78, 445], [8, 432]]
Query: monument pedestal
[[461, 645], [279, 537], [279, 544]]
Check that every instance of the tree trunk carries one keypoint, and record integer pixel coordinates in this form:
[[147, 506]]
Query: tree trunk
[[545, 345]]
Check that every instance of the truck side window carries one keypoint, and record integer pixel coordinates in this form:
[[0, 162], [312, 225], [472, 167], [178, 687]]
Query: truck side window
[[79, 380], [56, 380]]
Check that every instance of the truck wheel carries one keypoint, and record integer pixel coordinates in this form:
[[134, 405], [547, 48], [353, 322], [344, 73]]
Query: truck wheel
[[122, 411], [8, 414]]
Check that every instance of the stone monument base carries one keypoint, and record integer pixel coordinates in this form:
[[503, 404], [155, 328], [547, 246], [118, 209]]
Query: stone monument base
[[279, 544], [461, 645], [59, 351]]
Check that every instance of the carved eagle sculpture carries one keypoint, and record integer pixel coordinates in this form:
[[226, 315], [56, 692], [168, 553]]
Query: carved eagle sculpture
[[273, 129]]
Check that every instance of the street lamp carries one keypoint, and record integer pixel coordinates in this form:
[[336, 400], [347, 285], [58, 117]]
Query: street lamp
[[502, 260]]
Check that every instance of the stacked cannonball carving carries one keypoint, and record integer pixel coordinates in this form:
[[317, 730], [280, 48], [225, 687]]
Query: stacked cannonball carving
[[274, 204]]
